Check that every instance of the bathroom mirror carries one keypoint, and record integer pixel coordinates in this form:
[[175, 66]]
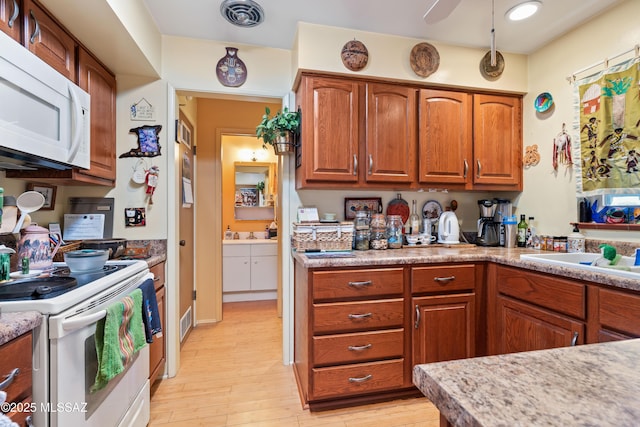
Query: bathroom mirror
[[255, 188]]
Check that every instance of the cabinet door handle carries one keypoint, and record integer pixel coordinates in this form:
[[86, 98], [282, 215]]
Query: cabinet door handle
[[360, 347], [360, 316], [466, 168], [479, 168], [9, 378], [416, 324], [361, 379], [370, 164], [444, 279], [355, 165], [29, 421], [361, 284], [36, 29], [14, 15], [183, 242], [574, 340]]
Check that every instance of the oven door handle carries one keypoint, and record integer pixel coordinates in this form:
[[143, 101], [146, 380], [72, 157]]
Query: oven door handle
[[81, 322]]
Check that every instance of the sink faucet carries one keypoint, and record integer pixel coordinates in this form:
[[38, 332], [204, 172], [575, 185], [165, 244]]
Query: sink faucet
[[251, 236]]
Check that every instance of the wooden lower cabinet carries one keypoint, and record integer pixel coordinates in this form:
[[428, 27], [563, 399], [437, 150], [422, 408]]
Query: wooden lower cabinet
[[535, 311], [157, 349], [351, 335], [16, 354], [615, 314], [444, 328], [525, 327]]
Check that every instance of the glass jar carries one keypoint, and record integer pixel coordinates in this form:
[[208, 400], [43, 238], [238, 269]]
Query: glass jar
[[394, 231], [378, 239], [362, 240], [378, 221], [362, 220]]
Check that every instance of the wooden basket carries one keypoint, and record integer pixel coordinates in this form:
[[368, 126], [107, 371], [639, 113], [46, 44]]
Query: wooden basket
[[323, 237], [73, 246]]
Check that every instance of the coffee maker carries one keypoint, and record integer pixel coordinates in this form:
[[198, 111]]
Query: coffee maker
[[488, 228]]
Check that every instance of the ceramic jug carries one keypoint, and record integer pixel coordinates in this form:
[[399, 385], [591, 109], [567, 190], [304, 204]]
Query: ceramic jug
[[34, 244]]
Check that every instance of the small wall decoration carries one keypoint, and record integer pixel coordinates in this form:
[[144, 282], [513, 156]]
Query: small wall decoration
[[184, 134], [148, 142], [354, 55], [354, 204], [562, 149], [49, 193], [531, 156], [424, 59], [135, 217], [142, 110], [151, 179], [230, 69]]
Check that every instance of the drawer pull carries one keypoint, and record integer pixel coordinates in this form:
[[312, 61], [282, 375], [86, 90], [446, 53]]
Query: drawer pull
[[444, 279], [360, 316], [9, 378], [360, 347], [361, 379], [361, 284], [574, 340]]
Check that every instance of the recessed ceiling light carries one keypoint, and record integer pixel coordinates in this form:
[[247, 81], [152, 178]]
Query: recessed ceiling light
[[523, 10]]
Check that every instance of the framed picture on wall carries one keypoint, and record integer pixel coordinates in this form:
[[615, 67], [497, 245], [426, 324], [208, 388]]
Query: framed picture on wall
[[184, 133], [49, 193], [354, 204]]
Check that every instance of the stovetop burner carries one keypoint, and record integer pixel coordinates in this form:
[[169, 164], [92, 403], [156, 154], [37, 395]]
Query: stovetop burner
[[106, 269], [37, 288]]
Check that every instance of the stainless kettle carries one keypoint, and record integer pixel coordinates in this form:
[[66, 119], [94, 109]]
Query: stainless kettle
[[448, 228]]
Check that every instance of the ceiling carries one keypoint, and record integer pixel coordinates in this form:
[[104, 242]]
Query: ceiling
[[468, 25]]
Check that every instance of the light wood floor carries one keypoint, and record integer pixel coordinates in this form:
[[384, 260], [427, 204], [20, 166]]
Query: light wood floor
[[232, 374]]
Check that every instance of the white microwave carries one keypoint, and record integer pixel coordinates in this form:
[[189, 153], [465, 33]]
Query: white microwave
[[44, 117]]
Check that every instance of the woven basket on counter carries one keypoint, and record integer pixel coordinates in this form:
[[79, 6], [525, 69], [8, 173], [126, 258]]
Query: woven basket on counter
[[324, 237], [73, 246]]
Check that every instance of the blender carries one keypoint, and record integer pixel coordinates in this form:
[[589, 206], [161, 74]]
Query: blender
[[488, 229]]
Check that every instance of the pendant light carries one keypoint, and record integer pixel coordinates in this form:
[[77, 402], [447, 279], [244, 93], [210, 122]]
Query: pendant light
[[493, 37]]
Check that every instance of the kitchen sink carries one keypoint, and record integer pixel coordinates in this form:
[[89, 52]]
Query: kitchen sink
[[624, 268]]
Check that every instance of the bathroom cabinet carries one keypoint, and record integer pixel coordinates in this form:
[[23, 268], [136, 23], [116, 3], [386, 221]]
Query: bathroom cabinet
[[249, 270]]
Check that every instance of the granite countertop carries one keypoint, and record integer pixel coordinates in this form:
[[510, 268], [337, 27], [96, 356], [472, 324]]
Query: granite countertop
[[13, 325], [255, 241], [434, 254], [588, 385]]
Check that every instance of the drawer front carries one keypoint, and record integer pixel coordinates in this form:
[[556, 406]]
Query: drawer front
[[158, 275], [17, 354], [357, 283], [358, 316], [620, 311], [264, 249], [357, 379], [236, 249], [442, 279], [554, 293], [358, 347]]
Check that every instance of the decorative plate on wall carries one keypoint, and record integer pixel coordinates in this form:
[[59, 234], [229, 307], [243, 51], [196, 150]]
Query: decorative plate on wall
[[424, 59], [230, 69], [492, 71], [354, 55]]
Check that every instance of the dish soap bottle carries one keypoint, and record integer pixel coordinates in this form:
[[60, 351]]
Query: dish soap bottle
[[575, 240], [228, 235]]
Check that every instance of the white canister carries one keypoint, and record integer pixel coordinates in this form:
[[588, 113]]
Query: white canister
[[576, 240]]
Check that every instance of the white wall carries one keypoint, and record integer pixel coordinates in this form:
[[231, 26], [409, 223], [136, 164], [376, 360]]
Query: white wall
[[549, 196]]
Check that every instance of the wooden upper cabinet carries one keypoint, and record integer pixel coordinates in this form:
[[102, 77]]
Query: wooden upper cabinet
[[446, 146], [497, 142], [10, 18], [44, 37], [330, 130], [101, 85], [391, 141]]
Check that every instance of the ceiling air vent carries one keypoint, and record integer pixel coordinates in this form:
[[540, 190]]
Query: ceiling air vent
[[243, 13]]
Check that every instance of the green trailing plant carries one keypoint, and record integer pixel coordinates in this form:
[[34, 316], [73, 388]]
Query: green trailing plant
[[271, 127]]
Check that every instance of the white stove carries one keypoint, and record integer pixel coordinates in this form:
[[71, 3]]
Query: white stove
[[64, 355]]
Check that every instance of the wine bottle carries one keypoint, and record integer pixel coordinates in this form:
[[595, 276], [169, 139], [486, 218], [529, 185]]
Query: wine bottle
[[522, 232], [414, 220]]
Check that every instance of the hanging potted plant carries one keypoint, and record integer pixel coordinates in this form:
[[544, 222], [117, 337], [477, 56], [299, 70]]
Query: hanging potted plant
[[279, 131]]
